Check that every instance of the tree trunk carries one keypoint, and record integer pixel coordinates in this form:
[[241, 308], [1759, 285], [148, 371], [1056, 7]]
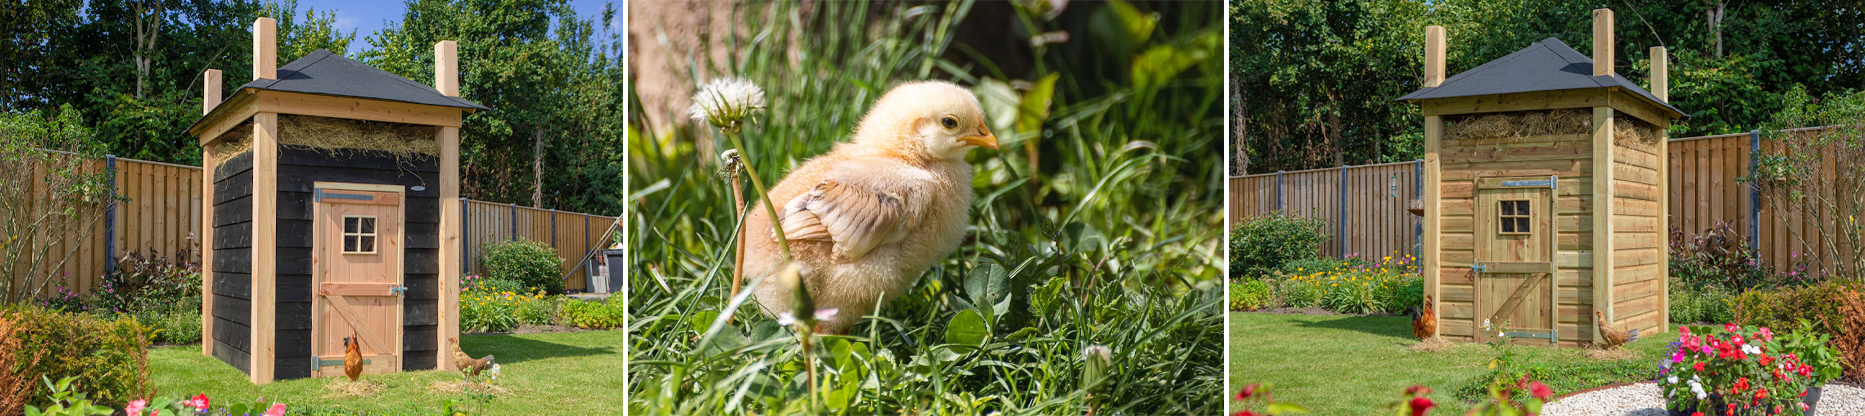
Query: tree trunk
[[1716, 27], [1240, 118]]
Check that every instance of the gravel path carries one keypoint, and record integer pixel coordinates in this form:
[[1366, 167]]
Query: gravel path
[[1644, 399]]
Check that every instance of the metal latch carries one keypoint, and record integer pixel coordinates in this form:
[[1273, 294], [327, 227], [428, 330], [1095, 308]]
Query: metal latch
[[317, 363], [1479, 268], [321, 194], [398, 290]]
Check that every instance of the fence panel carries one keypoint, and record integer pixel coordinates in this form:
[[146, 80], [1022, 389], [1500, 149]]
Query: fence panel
[[1365, 209], [161, 213]]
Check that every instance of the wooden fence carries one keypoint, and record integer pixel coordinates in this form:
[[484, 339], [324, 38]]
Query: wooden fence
[[162, 214], [1370, 213], [1364, 208]]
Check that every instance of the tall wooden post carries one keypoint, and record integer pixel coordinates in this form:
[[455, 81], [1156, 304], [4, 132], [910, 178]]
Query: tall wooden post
[[210, 98], [1602, 176], [265, 210], [447, 80], [1434, 132], [1661, 88]]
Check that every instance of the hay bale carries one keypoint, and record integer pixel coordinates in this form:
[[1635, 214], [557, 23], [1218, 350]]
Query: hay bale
[[342, 387], [1433, 344], [1518, 124], [335, 134]]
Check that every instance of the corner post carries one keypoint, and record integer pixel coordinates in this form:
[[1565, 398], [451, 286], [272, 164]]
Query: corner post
[[1602, 42], [210, 91], [264, 309], [1433, 175], [210, 99], [452, 209], [1602, 177], [1661, 88]]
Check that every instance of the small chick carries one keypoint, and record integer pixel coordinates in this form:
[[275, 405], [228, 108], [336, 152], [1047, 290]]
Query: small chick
[[866, 219]]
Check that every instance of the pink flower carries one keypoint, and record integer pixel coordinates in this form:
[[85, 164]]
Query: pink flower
[[1541, 391], [199, 402], [1730, 327], [135, 407], [1766, 335], [278, 409]]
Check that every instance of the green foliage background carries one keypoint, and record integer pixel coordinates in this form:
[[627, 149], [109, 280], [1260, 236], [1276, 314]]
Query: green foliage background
[[551, 77], [1313, 81]]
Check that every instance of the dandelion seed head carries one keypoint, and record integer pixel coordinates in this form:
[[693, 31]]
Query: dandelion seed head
[[726, 102]]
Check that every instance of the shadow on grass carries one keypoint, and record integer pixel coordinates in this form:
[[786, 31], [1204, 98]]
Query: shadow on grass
[[1397, 327], [516, 349]]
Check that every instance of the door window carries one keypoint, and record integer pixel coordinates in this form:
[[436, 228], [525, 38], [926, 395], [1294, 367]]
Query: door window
[[359, 234]]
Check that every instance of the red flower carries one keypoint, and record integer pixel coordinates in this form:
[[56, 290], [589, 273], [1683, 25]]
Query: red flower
[[1421, 404], [1698, 366], [1248, 390], [1761, 393], [1741, 384], [199, 402], [1730, 327], [1766, 360], [1245, 413], [1696, 414], [1417, 389], [1541, 391]]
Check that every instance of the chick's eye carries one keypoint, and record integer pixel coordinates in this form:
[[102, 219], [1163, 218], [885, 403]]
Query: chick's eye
[[949, 122]]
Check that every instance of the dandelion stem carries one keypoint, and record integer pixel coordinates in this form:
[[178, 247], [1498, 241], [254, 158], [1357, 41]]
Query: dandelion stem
[[809, 364], [738, 261], [783, 244]]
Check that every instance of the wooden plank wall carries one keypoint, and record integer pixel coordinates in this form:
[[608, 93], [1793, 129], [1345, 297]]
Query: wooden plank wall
[[1702, 184], [1638, 235], [574, 235], [1377, 199], [163, 213]]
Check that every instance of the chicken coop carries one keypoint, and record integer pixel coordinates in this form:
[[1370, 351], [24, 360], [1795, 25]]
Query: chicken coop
[[1544, 198], [334, 213]]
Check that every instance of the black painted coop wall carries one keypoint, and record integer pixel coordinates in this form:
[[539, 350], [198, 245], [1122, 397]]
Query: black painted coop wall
[[300, 168], [233, 241]]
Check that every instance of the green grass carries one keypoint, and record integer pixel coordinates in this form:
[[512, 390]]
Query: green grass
[[574, 373], [1351, 365], [1112, 239]]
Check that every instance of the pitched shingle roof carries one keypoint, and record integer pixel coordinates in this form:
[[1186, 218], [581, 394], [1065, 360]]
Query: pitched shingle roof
[[1549, 65], [326, 73]]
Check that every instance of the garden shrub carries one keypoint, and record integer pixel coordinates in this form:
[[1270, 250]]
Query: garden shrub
[[1249, 295], [528, 262], [1695, 304], [1302, 266], [109, 355], [603, 314], [1387, 286], [151, 283], [1784, 307], [1262, 244], [173, 327]]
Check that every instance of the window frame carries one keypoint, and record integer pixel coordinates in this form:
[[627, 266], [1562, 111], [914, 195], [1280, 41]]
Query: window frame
[[374, 235], [1523, 217]]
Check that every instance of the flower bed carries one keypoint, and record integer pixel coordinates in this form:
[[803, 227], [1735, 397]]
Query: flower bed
[[1744, 370], [493, 305], [1386, 286]]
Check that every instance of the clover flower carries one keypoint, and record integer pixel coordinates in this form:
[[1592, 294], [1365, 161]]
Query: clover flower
[[726, 102]]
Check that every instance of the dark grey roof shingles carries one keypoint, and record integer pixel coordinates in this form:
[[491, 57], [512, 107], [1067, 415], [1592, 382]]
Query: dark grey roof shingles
[[1549, 65], [326, 73]]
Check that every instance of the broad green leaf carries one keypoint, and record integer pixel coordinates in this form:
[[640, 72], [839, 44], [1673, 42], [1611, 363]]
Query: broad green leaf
[[967, 328], [1034, 107], [1281, 408], [1139, 26]]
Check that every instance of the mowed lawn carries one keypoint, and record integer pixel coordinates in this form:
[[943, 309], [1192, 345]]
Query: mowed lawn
[[573, 373], [1359, 365]]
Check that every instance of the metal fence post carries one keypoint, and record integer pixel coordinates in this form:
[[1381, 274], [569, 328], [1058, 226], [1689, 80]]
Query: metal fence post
[[1754, 192], [514, 222], [1418, 193], [1279, 210], [553, 228], [110, 214], [1340, 222]]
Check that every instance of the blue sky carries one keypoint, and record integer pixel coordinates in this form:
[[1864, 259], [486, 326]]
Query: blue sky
[[367, 16]]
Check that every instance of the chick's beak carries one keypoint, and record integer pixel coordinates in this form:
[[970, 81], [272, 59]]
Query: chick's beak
[[985, 140]]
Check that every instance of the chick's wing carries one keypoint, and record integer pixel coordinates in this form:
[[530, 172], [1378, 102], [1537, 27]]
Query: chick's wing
[[856, 215]]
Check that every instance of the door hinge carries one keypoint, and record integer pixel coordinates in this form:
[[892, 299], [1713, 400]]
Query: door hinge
[[317, 363], [1552, 336], [321, 194], [398, 290]]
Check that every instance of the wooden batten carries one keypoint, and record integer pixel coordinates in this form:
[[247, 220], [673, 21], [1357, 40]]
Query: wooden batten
[[1602, 42], [207, 243], [282, 102], [447, 80], [210, 91], [265, 48], [264, 247]]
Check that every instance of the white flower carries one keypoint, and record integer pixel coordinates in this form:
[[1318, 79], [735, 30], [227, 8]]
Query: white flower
[[726, 102], [1673, 379], [1750, 349], [495, 371], [1697, 389], [1485, 324], [787, 319]]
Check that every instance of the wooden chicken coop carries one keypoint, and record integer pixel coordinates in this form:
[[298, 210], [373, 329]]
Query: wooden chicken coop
[[335, 213], [1544, 196]]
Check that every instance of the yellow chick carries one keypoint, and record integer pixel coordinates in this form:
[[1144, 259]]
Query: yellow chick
[[866, 219]]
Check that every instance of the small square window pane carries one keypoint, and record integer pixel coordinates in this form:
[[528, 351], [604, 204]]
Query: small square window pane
[[366, 244], [350, 224], [1521, 207], [1508, 208], [349, 244], [1508, 226], [368, 225], [1521, 225]]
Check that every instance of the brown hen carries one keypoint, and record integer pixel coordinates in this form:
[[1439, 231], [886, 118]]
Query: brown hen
[[352, 357], [1425, 325], [1613, 337], [467, 363]]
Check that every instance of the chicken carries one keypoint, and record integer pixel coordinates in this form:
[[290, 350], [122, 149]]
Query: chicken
[[352, 357], [866, 219], [467, 363], [1614, 338], [1425, 325]]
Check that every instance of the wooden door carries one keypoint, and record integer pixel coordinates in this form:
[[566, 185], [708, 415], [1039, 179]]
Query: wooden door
[[357, 262], [1515, 255]]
